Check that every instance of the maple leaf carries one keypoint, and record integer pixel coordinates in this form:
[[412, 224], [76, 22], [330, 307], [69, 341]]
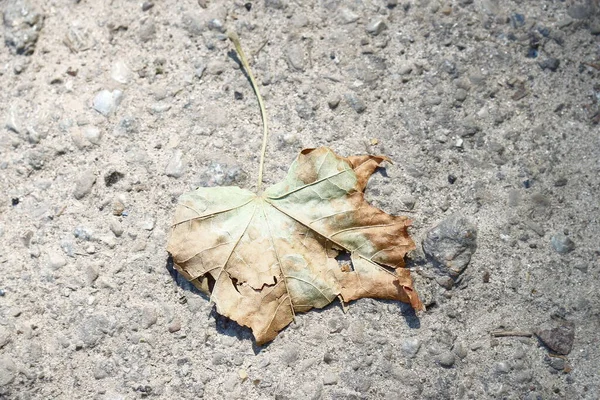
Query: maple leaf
[[263, 258]]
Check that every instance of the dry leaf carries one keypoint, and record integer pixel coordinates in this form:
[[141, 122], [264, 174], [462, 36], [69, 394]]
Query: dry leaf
[[263, 258]]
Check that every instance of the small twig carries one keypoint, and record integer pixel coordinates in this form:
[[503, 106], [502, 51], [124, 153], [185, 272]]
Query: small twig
[[511, 333], [61, 211], [263, 113], [593, 65], [262, 46]]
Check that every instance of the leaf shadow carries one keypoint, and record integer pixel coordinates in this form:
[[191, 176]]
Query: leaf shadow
[[229, 327], [382, 171], [180, 280], [234, 56], [224, 325]]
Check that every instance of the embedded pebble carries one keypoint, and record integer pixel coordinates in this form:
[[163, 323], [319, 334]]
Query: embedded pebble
[[551, 64], [355, 103], [126, 126], [91, 274], [116, 227], [562, 244], [446, 359], [559, 339], [460, 350], [83, 233], [330, 378], [147, 223], [8, 370], [147, 31], [375, 27], [176, 166], [295, 56], [120, 72], [347, 16], [452, 243], [56, 260], [460, 95], [410, 347], [333, 101], [174, 326], [92, 134], [408, 201], [84, 184], [579, 11], [5, 336], [149, 317], [106, 102]]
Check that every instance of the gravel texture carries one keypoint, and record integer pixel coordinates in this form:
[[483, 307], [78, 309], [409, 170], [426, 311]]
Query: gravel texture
[[489, 110]]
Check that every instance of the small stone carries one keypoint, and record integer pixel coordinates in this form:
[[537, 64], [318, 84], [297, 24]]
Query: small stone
[[502, 367], [562, 244], [355, 103], [559, 339], [83, 233], [460, 95], [116, 227], [126, 126], [524, 376], [118, 208], [56, 260], [550, 63], [375, 27], [333, 101], [559, 182], [275, 4], [36, 159], [330, 378], [92, 134], [5, 337], [104, 369], [120, 72], [304, 110], [84, 184], [149, 317], [557, 363], [216, 24], [106, 102], [147, 5], [446, 359], [290, 355], [579, 11], [410, 347], [408, 201], [147, 31], [147, 223], [405, 68], [295, 56], [347, 16], [176, 166], [452, 243], [243, 374], [445, 281], [534, 226], [93, 328], [91, 274], [174, 326], [460, 350], [8, 370]]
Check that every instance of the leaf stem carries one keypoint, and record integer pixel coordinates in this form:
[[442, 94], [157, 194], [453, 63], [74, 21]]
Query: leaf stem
[[263, 113]]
